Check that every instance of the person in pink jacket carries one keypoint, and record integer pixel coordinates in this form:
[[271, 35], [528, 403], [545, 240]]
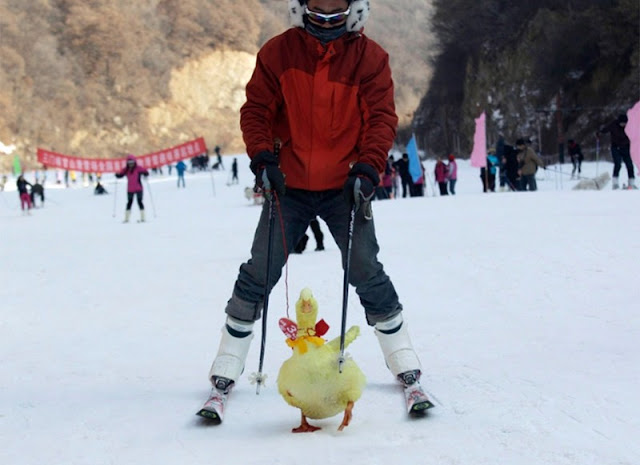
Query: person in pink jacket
[[452, 174], [134, 174], [440, 172]]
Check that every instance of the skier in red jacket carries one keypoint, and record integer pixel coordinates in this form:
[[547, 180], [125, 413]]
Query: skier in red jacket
[[324, 91]]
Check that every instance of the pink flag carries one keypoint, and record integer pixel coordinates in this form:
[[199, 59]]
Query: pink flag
[[479, 153], [633, 132]]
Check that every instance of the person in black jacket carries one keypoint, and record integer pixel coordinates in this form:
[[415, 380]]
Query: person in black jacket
[[510, 162], [402, 166], [25, 198], [37, 190], [575, 152], [620, 149], [100, 190]]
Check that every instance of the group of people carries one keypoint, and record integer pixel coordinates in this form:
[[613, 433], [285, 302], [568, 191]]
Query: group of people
[[28, 193], [446, 175], [517, 166], [396, 176], [415, 188], [514, 167]]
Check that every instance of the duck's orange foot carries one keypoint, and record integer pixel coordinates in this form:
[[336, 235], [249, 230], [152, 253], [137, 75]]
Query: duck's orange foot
[[348, 414], [305, 427]]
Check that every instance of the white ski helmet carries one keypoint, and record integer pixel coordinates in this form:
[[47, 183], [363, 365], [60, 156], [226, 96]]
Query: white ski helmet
[[357, 17]]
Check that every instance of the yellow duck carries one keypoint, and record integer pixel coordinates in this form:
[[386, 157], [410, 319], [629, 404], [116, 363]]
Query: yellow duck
[[310, 379]]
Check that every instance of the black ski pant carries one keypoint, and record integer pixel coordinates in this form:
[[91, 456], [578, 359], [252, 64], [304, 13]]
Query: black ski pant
[[622, 154], [295, 210], [407, 185], [577, 165], [443, 188], [138, 198]]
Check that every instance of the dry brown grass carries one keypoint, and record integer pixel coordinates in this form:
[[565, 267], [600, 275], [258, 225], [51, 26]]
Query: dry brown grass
[[86, 77]]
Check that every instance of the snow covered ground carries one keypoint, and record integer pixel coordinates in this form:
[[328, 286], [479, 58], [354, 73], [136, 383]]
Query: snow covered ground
[[523, 307]]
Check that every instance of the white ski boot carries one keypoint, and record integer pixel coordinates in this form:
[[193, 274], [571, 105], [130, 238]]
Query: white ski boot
[[232, 352], [227, 366], [632, 183], [127, 215], [615, 184], [396, 345], [402, 361]]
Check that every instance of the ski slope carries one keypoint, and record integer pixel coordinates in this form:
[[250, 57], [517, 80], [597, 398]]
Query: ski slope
[[524, 308]]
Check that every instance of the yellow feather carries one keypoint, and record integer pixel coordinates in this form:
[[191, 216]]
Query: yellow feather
[[309, 379]]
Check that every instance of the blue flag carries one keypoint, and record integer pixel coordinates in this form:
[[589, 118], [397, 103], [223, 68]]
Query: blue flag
[[415, 168]]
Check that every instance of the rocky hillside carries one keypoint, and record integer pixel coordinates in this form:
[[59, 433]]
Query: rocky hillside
[[108, 77], [549, 70]]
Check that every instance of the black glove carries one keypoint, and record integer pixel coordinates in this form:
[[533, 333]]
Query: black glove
[[361, 184], [268, 175]]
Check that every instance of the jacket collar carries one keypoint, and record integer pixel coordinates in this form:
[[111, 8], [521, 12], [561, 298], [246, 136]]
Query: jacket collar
[[317, 48]]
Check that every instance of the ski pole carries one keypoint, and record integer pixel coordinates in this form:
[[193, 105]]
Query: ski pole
[[562, 172], [345, 285], [271, 197], [115, 194], [153, 207], [213, 184], [597, 154]]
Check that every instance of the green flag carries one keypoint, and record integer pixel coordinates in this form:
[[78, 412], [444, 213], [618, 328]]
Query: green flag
[[17, 169]]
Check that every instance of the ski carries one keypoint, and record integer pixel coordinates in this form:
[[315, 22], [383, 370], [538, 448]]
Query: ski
[[417, 400], [213, 408]]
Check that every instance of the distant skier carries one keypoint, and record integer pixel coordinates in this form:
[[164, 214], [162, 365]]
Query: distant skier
[[620, 149], [134, 174], [25, 198], [234, 172], [528, 165], [575, 152], [510, 161], [181, 167], [452, 173], [99, 190], [402, 167], [37, 189], [218, 164], [488, 172], [440, 173]]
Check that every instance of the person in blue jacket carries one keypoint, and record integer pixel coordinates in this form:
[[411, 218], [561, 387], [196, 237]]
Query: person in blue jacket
[[181, 167]]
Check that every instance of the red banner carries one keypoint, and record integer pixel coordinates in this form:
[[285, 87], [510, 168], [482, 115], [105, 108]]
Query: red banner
[[112, 165]]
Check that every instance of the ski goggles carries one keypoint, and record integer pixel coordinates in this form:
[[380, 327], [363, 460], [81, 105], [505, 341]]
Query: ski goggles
[[332, 18]]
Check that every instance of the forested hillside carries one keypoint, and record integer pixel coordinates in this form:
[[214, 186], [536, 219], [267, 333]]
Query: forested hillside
[[547, 69], [102, 78]]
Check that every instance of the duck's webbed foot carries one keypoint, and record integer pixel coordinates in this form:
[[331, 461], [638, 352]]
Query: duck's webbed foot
[[348, 414], [305, 427]]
